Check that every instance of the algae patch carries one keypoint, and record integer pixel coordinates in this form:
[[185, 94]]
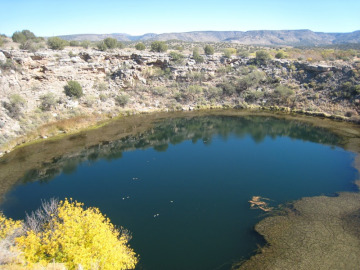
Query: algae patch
[[317, 233]]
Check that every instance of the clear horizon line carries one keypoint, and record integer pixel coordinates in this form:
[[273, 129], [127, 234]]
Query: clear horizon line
[[124, 33]]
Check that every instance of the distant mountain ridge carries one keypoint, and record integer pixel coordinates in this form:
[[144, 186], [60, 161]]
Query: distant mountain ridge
[[257, 37]]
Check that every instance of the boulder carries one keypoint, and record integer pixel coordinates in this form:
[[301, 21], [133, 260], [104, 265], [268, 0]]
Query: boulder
[[7, 54], [2, 58], [85, 56], [159, 63], [72, 104], [313, 68], [40, 55]]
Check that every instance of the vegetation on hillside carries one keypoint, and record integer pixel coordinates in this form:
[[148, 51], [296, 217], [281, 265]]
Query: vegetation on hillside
[[28, 41], [56, 43], [159, 46], [24, 35], [209, 50], [189, 76], [109, 43], [140, 46], [197, 57], [73, 89]]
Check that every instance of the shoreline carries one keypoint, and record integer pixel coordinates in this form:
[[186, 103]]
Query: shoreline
[[135, 124], [87, 122]]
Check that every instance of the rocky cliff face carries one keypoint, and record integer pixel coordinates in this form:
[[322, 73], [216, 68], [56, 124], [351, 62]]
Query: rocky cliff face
[[128, 81]]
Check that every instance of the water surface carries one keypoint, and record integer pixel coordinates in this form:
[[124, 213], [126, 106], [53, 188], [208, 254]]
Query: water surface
[[182, 188]]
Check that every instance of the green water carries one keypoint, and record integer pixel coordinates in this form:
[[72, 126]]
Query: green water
[[182, 188]]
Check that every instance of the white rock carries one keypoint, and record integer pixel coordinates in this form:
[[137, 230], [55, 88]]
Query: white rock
[[72, 104], [2, 58]]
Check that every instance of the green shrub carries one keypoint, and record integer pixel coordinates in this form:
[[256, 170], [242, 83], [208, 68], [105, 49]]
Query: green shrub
[[155, 72], [111, 43], [101, 46], [228, 52], [209, 50], [243, 53], [120, 45], [251, 80], [195, 89], [122, 99], [167, 72], [243, 71], [159, 46], [8, 65], [103, 97], [292, 67], [253, 95], [349, 89], [18, 37], [85, 44], [140, 46], [228, 88], [356, 89], [74, 43], [283, 91], [47, 101], [176, 57], [197, 57], [28, 34], [90, 101], [224, 70], [56, 43], [196, 76], [159, 91], [262, 56], [24, 35], [17, 99], [280, 55], [179, 48], [29, 45], [73, 89], [189, 93], [214, 92], [15, 106], [100, 86], [2, 40], [312, 85]]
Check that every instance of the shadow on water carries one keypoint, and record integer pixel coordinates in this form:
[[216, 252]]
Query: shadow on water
[[176, 131]]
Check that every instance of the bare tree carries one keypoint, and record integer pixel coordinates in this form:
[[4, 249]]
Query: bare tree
[[42, 216]]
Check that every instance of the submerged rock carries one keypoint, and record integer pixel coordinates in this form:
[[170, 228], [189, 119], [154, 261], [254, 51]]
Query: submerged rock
[[258, 202]]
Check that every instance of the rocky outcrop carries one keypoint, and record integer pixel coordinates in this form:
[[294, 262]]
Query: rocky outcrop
[[153, 81]]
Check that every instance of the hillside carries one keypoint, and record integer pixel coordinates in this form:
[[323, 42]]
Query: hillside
[[261, 37], [126, 81]]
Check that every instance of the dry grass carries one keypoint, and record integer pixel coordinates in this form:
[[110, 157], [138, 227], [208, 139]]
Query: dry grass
[[64, 126], [67, 125], [55, 266]]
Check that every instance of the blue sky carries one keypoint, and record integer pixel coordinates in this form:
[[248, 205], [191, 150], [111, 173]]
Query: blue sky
[[60, 17]]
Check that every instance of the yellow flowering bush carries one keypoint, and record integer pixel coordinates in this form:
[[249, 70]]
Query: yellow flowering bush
[[9, 230], [77, 236], [7, 226]]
